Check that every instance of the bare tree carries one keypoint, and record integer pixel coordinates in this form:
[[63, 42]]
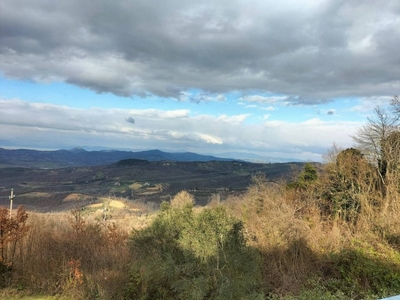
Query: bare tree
[[370, 138], [379, 141], [395, 105], [332, 153]]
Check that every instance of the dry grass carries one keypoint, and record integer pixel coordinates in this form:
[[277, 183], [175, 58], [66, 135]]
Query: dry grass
[[36, 195], [297, 231], [272, 225], [117, 204], [68, 254], [14, 294], [297, 238], [76, 197], [182, 199], [135, 186]]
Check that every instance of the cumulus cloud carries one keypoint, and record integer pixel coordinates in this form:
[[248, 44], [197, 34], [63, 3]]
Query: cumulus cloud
[[37, 125], [367, 104], [309, 51]]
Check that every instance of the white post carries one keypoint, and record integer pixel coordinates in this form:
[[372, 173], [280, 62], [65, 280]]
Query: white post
[[11, 201]]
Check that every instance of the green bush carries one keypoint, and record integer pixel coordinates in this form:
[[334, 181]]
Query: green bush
[[364, 272], [187, 255]]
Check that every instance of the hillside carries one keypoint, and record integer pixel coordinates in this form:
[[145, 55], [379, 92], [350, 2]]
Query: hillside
[[80, 157], [135, 179]]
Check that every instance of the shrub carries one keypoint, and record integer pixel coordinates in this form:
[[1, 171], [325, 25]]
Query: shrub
[[365, 270], [184, 255], [12, 230], [74, 257]]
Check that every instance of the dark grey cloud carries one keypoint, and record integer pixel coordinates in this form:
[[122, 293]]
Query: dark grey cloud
[[130, 120], [310, 51]]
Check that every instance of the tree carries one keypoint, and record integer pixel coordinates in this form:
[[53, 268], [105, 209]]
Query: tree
[[349, 186], [306, 177], [309, 174], [188, 254], [391, 153], [12, 230], [369, 137], [395, 105], [377, 139]]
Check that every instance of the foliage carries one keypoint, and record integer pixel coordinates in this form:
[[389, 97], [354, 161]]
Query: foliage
[[309, 174], [306, 177], [187, 255], [12, 229], [366, 271], [379, 141], [72, 256], [349, 186], [182, 199]]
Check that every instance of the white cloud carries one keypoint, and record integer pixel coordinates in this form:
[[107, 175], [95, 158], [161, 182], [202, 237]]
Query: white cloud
[[220, 98], [36, 125], [367, 104], [263, 99], [269, 108], [234, 119], [209, 139]]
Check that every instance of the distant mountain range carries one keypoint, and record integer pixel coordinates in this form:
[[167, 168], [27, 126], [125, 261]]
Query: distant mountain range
[[81, 157]]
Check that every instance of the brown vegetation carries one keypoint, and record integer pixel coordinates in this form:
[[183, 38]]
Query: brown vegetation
[[332, 230], [332, 233]]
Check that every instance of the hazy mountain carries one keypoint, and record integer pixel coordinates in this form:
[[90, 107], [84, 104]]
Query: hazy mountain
[[81, 157], [251, 157]]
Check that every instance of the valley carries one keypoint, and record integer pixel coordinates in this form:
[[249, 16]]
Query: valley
[[133, 182]]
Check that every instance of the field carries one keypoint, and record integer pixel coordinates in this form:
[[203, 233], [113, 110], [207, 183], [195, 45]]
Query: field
[[213, 230], [148, 183]]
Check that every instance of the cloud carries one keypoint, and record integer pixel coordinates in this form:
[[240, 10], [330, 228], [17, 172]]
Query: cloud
[[269, 108], [308, 51], [367, 104], [237, 119], [263, 99], [198, 97], [38, 125], [130, 120], [330, 112]]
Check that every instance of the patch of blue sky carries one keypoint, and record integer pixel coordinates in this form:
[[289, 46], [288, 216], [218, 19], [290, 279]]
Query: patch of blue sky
[[213, 104], [57, 93], [260, 107], [282, 110], [64, 94], [262, 112]]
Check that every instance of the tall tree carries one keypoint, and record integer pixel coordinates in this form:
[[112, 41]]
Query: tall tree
[[374, 138], [395, 105], [379, 141]]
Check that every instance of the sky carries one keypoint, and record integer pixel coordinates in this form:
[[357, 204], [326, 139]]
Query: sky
[[244, 79]]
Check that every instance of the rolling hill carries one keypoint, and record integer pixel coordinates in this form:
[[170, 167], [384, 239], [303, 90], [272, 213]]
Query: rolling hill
[[80, 157]]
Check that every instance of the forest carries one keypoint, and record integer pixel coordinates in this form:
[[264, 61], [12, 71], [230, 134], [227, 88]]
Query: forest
[[333, 232]]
